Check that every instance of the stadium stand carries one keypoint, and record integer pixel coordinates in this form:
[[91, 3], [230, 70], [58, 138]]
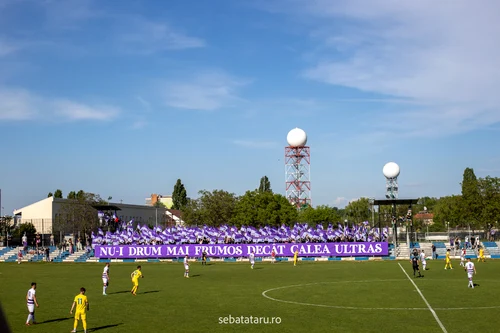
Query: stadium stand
[[440, 249], [492, 249]]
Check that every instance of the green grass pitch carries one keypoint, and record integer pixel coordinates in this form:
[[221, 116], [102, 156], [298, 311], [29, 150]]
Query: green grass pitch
[[312, 297]]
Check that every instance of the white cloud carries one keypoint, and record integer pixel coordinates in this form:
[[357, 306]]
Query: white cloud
[[20, 104], [143, 102], [340, 202], [256, 144], [147, 37], [442, 54], [69, 14], [7, 48], [139, 124], [209, 90], [78, 111], [17, 104]]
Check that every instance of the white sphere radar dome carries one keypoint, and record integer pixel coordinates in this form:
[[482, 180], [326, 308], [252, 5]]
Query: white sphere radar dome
[[297, 137], [391, 170]]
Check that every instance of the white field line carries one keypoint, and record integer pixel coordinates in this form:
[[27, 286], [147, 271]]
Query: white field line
[[427, 303], [265, 294]]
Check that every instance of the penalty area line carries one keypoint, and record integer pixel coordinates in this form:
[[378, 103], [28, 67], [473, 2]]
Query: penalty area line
[[426, 303]]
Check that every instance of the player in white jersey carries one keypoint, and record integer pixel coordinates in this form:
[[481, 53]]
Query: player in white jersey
[[251, 257], [462, 257], [105, 279], [31, 301], [422, 260], [186, 267], [471, 270]]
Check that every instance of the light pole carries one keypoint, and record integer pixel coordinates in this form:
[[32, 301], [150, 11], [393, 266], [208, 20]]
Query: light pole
[[496, 230], [372, 202], [2, 218], [448, 225]]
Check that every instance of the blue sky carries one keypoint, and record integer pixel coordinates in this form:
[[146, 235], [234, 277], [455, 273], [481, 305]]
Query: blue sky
[[123, 100]]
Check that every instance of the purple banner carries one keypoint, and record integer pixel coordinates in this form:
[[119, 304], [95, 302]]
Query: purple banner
[[242, 250]]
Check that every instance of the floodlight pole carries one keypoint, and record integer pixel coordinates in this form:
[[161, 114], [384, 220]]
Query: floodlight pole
[[378, 218], [448, 225], [407, 236], [395, 224], [411, 228], [372, 202]]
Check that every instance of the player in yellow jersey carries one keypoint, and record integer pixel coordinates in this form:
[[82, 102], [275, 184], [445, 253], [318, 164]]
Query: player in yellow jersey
[[135, 279], [481, 255], [295, 257], [82, 306], [447, 260]]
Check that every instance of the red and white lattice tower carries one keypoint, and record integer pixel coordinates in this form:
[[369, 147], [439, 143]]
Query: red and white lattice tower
[[297, 169]]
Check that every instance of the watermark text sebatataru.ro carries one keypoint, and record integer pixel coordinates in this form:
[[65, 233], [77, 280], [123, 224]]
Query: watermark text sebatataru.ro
[[249, 320]]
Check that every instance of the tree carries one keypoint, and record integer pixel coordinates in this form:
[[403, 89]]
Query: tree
[[71, 195], [471, 198], [211, 208], [78, 214], [179, 195], [265, 185], [80, 195], [50, 195], [359, 210], [6, 227], [489, 189], [25, 228], [58, 194], [448, 209], [320, 215], [159, 204], [425, 202], [257, 208], [385, 215], [192, 213]]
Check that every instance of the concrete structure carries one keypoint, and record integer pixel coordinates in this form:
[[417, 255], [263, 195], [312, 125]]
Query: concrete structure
[[166, 200], [44, 212]]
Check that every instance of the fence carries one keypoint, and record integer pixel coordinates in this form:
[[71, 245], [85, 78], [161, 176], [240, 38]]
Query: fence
[[402, 237], [42, 226]]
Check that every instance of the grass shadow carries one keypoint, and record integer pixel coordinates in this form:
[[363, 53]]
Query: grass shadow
[[103, 327], [152, 291], [53, 320], [119, 292], [196, 275]]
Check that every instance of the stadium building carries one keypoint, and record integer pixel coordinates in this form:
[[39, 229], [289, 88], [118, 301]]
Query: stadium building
[[42, 214]]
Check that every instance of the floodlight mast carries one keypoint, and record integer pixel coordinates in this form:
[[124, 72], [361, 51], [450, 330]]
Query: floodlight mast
[[297, 169], [391, 172]]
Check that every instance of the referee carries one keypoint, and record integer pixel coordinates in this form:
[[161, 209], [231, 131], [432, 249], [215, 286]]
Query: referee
[[414, 262]]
